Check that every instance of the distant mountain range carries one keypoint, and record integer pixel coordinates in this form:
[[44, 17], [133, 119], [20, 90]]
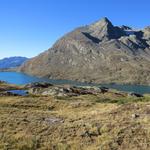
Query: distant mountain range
[[12, 62], [99, 52]]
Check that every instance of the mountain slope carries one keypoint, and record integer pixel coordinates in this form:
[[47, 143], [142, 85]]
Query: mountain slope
[[100, 52], [12, 62]]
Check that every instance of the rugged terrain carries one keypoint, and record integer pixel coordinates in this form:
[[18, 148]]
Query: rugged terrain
[[99, 52], [104, 120]]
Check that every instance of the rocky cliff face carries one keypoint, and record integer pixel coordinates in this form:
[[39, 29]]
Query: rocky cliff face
[[100, 52]]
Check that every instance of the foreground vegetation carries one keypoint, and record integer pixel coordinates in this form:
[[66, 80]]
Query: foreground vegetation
[[87, 122]]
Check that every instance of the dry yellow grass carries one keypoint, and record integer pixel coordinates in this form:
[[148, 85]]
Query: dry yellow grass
[[73, 123], [109, 121]]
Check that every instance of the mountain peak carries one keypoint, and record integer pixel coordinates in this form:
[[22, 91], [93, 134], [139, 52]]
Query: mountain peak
[[108, 54], [104, 30], [102, 22], [105, 19]]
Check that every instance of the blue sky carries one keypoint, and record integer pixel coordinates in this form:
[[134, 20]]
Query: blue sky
[[28, 27]]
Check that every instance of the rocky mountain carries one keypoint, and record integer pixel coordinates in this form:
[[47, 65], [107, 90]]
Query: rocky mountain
[[12, 62], [99, 52]]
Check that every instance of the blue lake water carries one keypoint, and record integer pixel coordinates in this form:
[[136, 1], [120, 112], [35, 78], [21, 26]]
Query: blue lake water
[[19, 92], [21, 78]]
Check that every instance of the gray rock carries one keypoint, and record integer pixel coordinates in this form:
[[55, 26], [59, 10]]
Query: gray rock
[[135, 116], [38, 85], [53, 120], [66, 91], [104, 89], [135, 95]]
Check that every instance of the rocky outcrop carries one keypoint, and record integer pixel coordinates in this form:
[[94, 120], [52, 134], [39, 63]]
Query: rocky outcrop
[[100, 53], [64, 90], [38, 85], [48, 89], [135, 95]]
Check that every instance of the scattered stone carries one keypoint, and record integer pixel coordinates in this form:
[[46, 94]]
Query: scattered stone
[[53, 120], [89, 134], [104, 89], [135, 95], [38, 85], [135, 116]]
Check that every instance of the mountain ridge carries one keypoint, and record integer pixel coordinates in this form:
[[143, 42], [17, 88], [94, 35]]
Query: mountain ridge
[[99, 52], [12, 62]]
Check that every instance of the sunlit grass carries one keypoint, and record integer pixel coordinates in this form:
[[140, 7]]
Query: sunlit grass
[[88, 122]]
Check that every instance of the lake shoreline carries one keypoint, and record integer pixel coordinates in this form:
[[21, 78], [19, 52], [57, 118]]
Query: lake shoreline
[[19, 78]]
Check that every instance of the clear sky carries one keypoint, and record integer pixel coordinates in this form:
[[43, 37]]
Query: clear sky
[[28, 27]]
